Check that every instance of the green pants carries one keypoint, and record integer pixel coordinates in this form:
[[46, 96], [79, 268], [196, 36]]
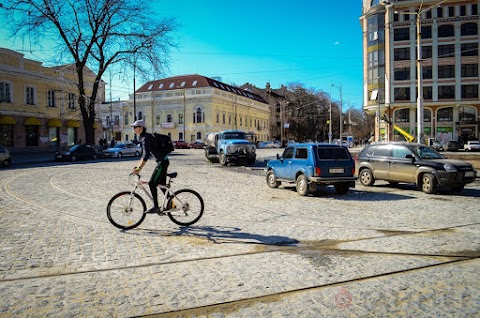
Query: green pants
[[159, 176]]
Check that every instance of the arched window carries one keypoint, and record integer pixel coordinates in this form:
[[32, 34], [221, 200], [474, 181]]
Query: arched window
[[402, 116], [445, 114], [466, 114], [198, 116], [469, 29]]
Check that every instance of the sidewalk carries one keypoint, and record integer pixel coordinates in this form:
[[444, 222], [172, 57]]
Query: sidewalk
[[32, 157]]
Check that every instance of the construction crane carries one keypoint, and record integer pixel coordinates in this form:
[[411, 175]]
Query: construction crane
[[405, 134]]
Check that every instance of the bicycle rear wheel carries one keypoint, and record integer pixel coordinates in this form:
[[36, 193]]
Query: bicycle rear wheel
[[126, 211], [185, 207]]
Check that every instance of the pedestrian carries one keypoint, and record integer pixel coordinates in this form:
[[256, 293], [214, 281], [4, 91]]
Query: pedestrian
[[159, 175], [112, 143]]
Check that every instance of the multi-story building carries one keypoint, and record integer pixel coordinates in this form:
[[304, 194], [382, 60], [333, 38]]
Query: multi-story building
[[189, 106], [447, 38], [39, 105]]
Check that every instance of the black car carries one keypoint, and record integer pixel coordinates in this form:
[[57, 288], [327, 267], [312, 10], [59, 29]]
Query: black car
[[451, 146], [412, 163], [77, 152]]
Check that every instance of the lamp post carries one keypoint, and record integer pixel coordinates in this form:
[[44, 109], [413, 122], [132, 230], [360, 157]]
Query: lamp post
[[341, 116], [330, 121], [418, 16]]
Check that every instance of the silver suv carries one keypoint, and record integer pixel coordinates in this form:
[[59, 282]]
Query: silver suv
[[412, 163]]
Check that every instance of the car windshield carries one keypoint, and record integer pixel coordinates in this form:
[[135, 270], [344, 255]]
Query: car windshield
[[74, 147], [428, 153], [119, 146], [234, 136], [332, 153]]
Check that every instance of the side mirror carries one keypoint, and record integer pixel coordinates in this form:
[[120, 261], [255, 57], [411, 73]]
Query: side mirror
[[278, 156], [410, 156]]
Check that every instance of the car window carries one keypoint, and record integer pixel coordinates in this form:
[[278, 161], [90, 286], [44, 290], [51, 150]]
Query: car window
[[400, 152], [288, 153], [332, 153], [428, 153], [381, 151], [301, 153]]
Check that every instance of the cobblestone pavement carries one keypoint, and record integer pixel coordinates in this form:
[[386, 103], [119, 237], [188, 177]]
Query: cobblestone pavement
[[379, 251]]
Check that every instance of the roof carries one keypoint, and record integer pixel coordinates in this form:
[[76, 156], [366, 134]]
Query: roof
[[194, 81]]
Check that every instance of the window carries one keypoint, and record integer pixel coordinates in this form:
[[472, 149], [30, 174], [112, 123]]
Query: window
[[401, 54], [160, 86], [470, 91], [199, 136], [451, 11], [126, 122], [427, 72], [469, 49], [402, 74], [183, 84], [439, 12], [288, 153], [463, 10], [427, 92], [51, 98], [223, 119], [445, 114], [446, 71], [427, 52], [400, 152], [218, 118], [402, 93], [29, 95], [426, 32], [474, 9], [194, 83], [445, 31], [198, 116], [157, 120], [180, 118], [428, 14], [469, 70], [402, 116], [5, 92], [169, 118], [301, 153], [466, 114], [446, 91], [401, 34], [447, 50], [71, 101], [383, 151], [469, 29]]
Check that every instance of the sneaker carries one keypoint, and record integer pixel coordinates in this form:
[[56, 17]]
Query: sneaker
[[153, 210]]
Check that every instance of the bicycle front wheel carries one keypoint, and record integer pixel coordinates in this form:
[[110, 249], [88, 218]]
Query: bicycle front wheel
[[126, 211], [185, 207]]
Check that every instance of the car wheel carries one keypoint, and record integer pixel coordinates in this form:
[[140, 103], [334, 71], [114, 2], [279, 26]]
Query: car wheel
[[341, 188], [366, 177], [223, 159], [429, 183], [6, 163], [302, 185], [272, 180]]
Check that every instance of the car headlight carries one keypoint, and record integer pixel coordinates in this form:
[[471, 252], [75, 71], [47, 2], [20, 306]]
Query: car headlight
[[449, 167]]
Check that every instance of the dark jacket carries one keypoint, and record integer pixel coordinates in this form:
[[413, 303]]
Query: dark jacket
[[149, 146]]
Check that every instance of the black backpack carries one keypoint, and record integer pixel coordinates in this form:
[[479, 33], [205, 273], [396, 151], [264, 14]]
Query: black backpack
[[163, 143]]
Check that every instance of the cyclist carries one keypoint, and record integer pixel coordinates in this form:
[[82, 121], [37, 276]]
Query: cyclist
[[159, 175]]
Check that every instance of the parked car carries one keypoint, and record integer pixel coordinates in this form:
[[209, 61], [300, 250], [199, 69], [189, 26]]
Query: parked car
[[180, 144], [196, 145], [452, 146], [77, 152], [270, 144], [123, 150], [412, 163], [310, 165], [5, 158], [472, 145]]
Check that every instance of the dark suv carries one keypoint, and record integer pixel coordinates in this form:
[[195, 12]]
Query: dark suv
[[412, 163], [310, 164]]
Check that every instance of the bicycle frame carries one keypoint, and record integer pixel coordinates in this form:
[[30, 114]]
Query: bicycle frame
[[141, 184]]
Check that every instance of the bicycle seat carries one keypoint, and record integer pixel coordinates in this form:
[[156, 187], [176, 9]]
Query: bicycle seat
[[172, 175]]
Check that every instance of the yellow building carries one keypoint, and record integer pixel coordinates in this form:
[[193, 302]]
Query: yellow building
[[447, 38], [189, 106], [39, 105]]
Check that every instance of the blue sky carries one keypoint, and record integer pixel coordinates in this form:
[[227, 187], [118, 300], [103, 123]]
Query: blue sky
[[316, 43]]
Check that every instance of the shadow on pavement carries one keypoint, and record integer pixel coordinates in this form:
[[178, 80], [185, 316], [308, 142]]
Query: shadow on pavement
[[223, 235]]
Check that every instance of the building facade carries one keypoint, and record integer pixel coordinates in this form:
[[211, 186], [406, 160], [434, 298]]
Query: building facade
[[39, 105], [446, 42], [189, 106]]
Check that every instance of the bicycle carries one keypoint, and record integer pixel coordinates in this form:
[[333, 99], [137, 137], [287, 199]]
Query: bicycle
[[127, 209]]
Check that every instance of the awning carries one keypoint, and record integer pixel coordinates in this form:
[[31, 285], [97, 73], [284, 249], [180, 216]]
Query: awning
[[73, 124], [31, 121], [7, 120], [53, 122]]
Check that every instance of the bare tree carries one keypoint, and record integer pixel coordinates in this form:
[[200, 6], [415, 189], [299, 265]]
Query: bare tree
[[95, 35]]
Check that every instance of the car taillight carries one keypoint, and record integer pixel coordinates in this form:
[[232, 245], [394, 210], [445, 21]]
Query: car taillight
[[353, 170], [318, 171]]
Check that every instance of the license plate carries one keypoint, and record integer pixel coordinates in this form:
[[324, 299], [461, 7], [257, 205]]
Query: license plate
[[336, 170], [469, 174]]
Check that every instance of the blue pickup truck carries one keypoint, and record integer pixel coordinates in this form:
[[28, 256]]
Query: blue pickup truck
[[309, 165]]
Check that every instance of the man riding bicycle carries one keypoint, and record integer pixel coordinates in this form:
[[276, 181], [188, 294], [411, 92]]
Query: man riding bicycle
[[159, 175]]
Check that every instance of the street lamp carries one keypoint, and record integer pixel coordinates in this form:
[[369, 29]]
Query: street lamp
[[418, 16], [330, 121], [341, 117]]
